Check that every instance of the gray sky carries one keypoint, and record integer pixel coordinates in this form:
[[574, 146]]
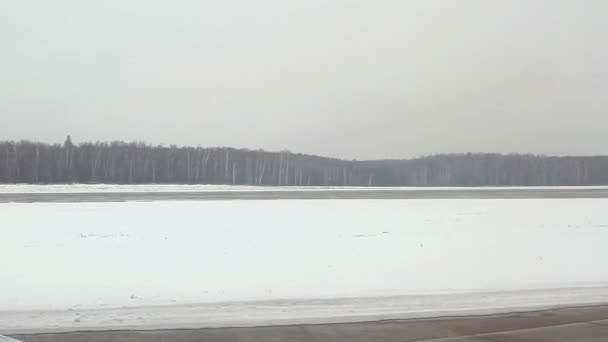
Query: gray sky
[[352, 79]]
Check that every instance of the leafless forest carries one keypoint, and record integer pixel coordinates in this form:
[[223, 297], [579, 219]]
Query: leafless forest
[[139, 163]]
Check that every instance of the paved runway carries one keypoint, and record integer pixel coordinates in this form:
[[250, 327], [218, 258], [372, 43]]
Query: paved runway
[[583, 324], [306, 194]]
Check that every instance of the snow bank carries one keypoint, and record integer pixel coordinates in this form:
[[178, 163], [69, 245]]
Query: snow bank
[[95, 257], [282, 312]]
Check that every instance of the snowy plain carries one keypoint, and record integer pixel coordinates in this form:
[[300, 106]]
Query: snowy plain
[[157, 264]]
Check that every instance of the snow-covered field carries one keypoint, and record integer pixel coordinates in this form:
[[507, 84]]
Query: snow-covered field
[[213, 263], [84, 188]]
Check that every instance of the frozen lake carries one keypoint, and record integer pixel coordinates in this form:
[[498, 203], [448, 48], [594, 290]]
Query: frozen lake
[[87, 256]]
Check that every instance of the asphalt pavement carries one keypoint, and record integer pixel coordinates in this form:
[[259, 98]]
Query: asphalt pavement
[[580, 324], [428, 193]]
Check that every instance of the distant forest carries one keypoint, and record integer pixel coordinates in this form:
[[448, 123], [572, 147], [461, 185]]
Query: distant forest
[[139, 163]]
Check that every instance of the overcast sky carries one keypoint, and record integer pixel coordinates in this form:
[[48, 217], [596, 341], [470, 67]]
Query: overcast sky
[[352, 79]]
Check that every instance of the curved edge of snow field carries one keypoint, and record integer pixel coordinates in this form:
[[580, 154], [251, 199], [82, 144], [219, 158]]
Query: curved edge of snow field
[[290, 312]]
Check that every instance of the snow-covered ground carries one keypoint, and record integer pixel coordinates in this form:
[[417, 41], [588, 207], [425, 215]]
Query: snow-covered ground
[[210, 263], [84, 188]]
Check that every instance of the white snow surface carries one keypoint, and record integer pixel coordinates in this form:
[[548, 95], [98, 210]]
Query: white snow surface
[[72, 266], [96, 188]]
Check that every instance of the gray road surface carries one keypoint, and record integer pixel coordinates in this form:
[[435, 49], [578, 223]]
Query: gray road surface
[[317, 194], [584, 324]]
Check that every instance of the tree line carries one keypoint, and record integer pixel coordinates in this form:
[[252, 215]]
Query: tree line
[[139, 163]]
